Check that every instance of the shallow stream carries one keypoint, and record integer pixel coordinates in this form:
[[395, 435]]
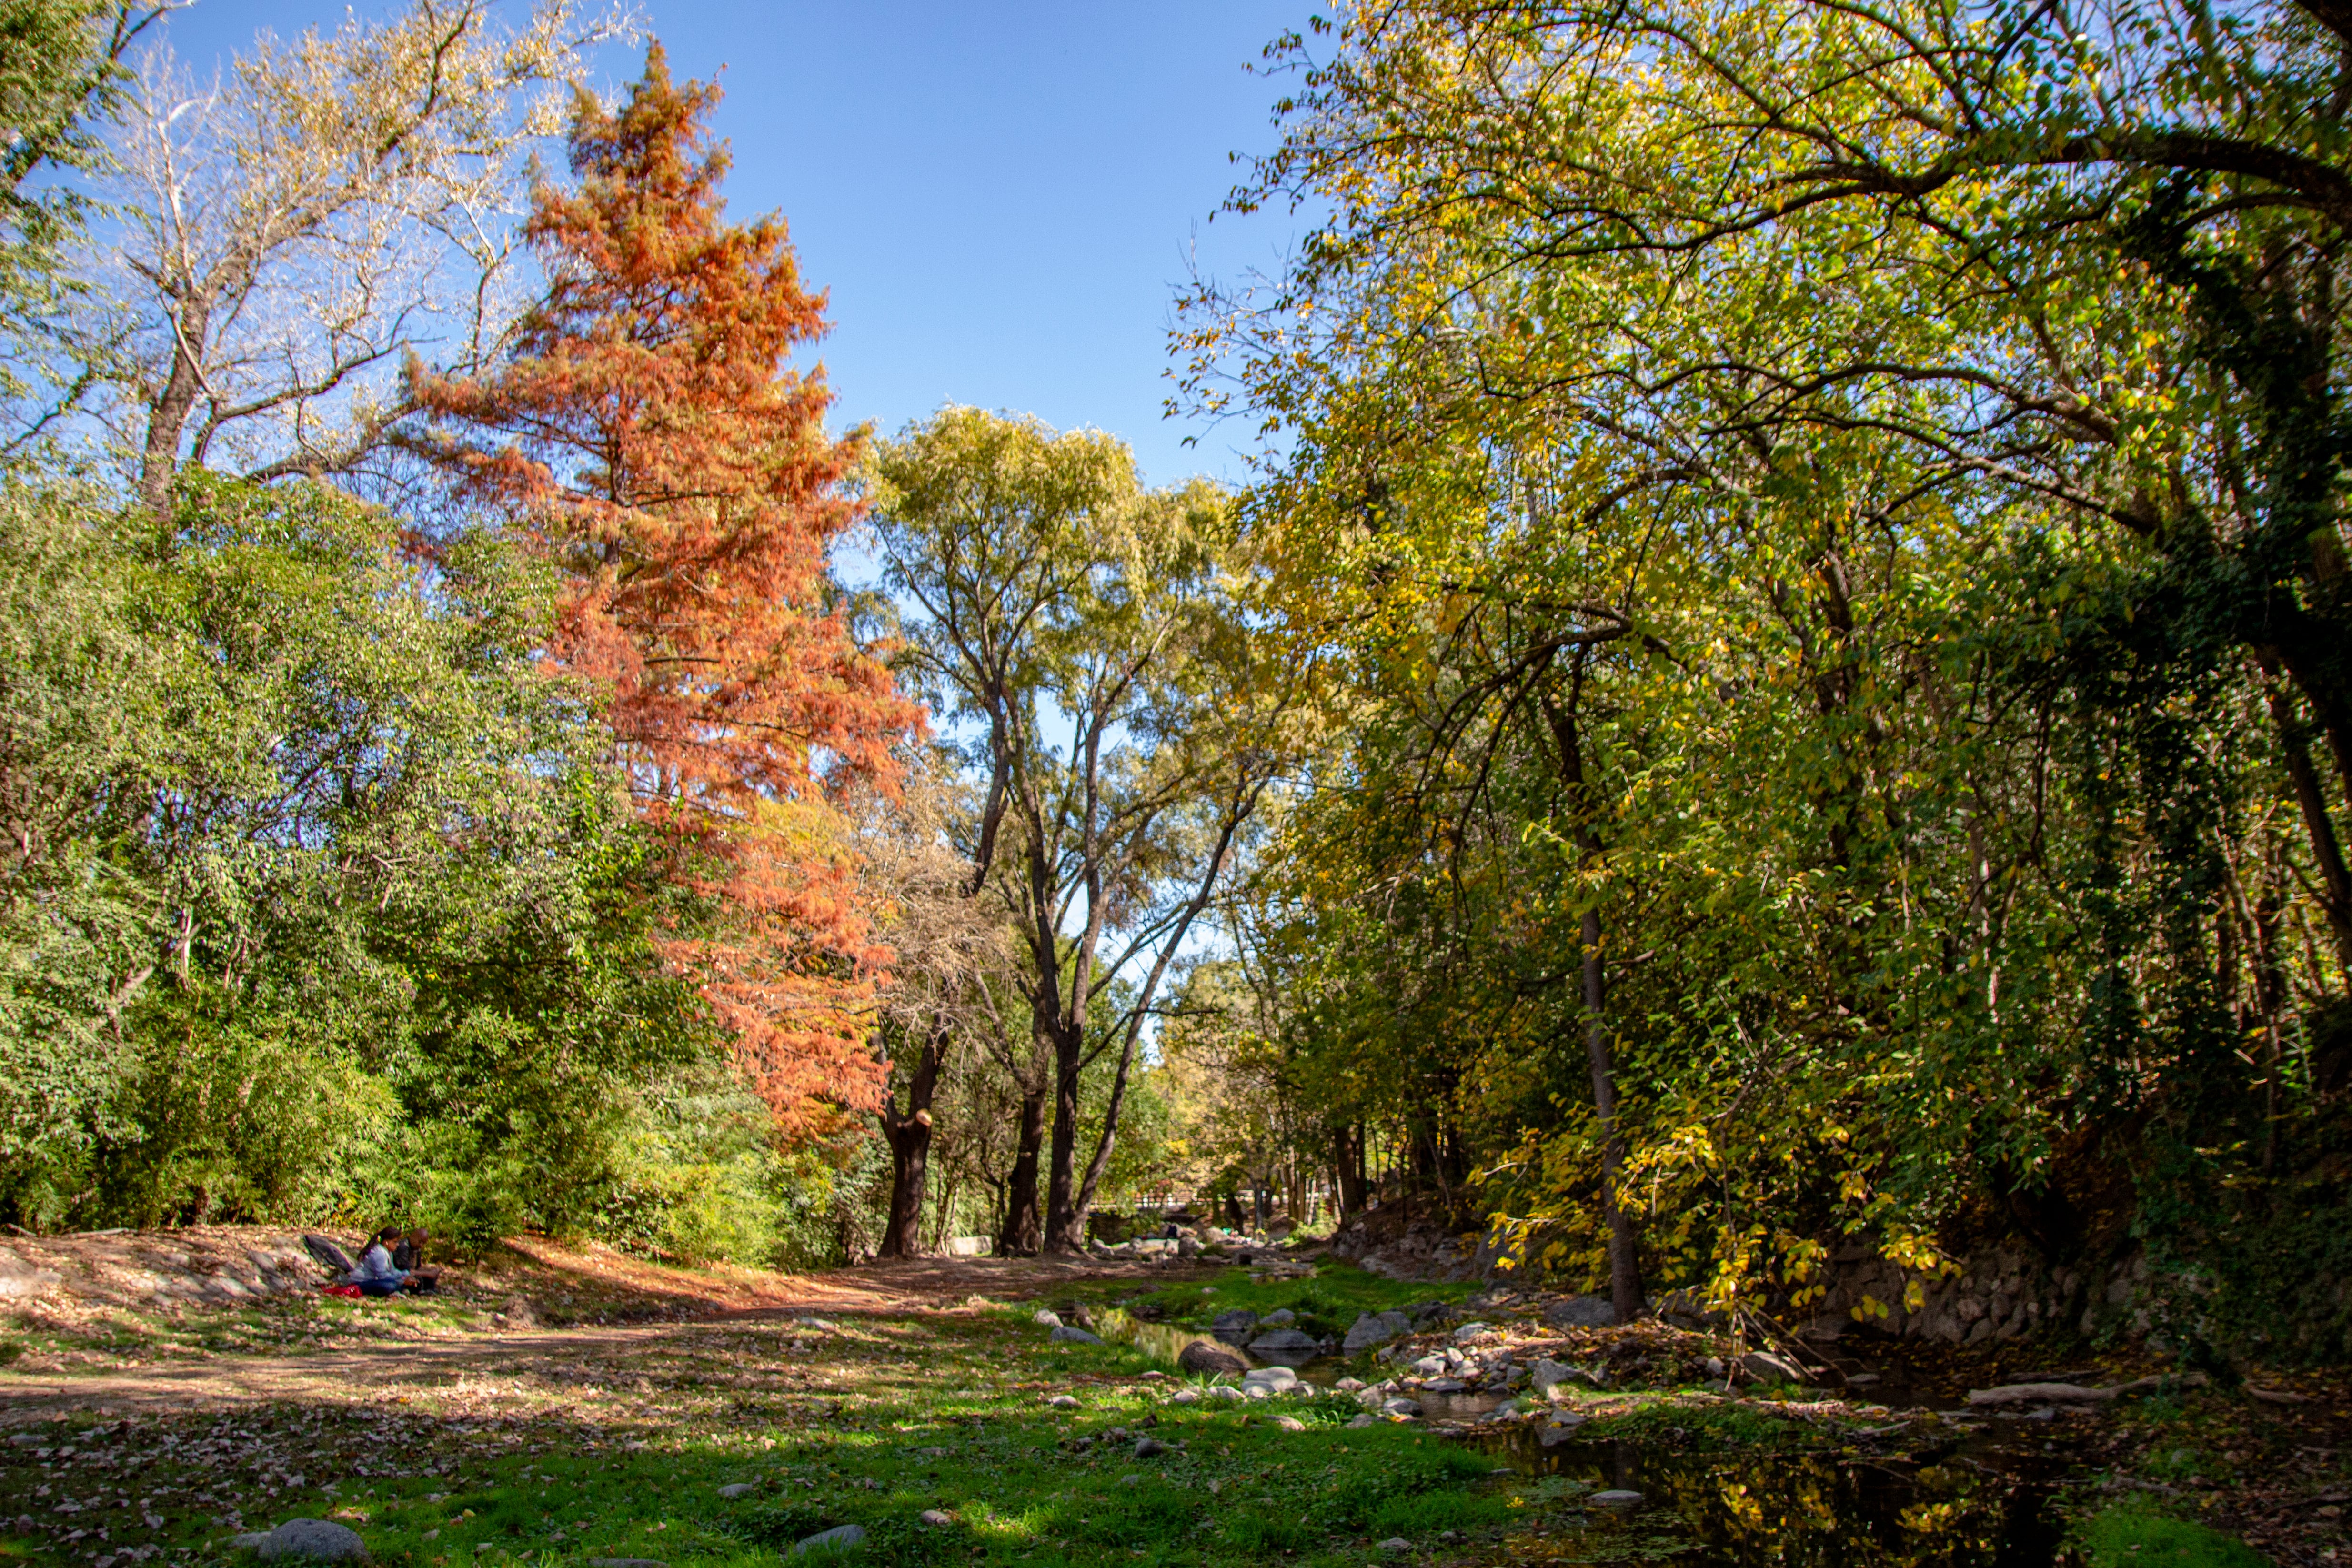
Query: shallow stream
[[1965, 1505], [1956, 1498]]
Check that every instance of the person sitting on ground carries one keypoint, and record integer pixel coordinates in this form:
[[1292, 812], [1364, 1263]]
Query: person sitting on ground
[[408, 1252], [376, 1275], [408, 1256]]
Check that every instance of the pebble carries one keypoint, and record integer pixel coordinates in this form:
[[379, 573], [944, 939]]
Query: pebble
[[1406, 1407], [1396, 1544], [1185, 1397], [736, 1488], [1063, 1402], [1290, 1423], [1063, 1334], [933, 1516], [840, 1538], [1050, 1320], [1147, 1447]]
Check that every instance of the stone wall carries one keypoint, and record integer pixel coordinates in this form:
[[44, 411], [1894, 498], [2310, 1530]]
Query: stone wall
[[2001, 1292]]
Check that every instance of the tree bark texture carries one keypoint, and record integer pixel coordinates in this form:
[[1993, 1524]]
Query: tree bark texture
[[1023, 1236], [910, 1132]]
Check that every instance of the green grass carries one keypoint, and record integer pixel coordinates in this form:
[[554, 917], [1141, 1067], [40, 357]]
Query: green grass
[[881, 1421], [1326, 1304], [2135, 1535]]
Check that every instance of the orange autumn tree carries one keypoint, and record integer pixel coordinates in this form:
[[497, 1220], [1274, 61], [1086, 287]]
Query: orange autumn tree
[[650, 435]]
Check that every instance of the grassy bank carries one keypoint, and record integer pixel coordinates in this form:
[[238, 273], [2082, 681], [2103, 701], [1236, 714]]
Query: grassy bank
[[964, 1434]]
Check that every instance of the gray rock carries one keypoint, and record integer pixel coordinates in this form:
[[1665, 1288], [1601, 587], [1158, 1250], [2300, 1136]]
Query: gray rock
[[1186, 1247], [1559, 1428], [22, 1279], [1375, 1328], [1615, 1499], [317, 1539], [1401, 1406], [1771, 1368], [1279, 1378], [324, 1248], [249, 1540], [1227, 1391], [1547, 1374], [1148, 1448], [1582, 1312], [1357, 1422], [936, 1518], [1063, 1334], [1396, 1544], [1348, 1385], [1185, 1397], [1048, 1318], [1286, 1347], [1206, 1356], [840, 1538], [1063, 1402], [1468, 1331], [1290, 1423], [1444, 1385], [1280, 1318], [1234, 1327], [736, 1488]]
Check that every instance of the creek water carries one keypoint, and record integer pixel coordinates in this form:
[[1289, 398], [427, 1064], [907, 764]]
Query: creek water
[[1961, 1504], [1956, 1497]]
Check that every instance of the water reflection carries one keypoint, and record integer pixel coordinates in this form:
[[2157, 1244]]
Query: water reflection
[[1967, 1509]]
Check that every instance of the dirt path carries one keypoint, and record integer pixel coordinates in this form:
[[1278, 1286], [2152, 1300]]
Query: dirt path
[[542, 1365]]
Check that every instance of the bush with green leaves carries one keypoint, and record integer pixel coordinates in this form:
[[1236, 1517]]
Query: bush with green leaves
[[321, 897]]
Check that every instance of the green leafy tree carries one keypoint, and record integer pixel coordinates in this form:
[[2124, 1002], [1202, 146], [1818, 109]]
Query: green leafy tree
[[1088, 635]]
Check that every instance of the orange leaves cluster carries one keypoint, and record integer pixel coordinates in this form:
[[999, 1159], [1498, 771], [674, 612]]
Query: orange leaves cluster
[[650, 433]]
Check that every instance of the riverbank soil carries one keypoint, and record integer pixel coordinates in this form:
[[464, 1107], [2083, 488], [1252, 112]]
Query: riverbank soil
[[565, 1406]]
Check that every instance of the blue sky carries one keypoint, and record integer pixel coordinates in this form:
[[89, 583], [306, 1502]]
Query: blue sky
[[1000, 198]]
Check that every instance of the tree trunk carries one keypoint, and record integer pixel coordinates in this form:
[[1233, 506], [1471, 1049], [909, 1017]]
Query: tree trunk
[[1065, 1217], [1624, 1260], [168, 418], [1348, 1169], [910, 1133], [1023, 1236], [2310, 798], [1624, 1263]]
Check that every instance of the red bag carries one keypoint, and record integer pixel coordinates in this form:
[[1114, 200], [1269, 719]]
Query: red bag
[[348, 1292]]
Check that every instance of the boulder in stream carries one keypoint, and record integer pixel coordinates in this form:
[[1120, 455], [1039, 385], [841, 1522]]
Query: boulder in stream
[[1374, 1329], [1207, 1356]]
